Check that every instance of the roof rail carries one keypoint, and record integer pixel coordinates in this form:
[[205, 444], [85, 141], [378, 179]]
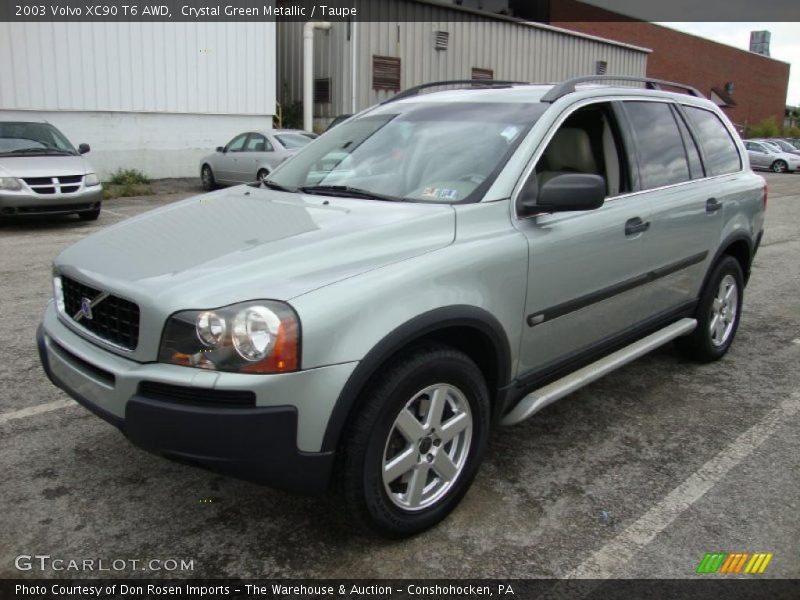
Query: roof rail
[[568, 86], [413, 91]]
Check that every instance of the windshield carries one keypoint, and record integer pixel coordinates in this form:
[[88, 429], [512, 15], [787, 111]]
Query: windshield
[[425, 151], [20, 138], [293, 141]]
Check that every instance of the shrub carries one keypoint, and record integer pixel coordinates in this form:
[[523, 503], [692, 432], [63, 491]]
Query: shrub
[[792, 132], [764, 129], [128, 177]]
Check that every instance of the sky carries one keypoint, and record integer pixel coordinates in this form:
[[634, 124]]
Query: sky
[[785, 43]]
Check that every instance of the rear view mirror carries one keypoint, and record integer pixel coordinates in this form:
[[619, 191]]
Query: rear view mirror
[[83, 148], [220, 148], [566, 192]]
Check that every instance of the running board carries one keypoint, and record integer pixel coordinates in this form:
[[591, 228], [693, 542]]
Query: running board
[[538, 399]]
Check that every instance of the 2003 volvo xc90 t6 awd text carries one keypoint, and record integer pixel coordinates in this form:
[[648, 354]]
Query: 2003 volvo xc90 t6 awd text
[[438, 265]]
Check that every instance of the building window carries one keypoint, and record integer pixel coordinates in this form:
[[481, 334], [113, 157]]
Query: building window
[[322, 90], [386, 73], [441, 40], [478, 73], [600, 67]]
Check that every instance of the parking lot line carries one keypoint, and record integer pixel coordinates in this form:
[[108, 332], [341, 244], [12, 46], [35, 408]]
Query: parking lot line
[[35, 410], [612, 558]]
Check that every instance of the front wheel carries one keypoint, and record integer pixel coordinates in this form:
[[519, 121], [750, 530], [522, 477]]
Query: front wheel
[[207, 177], [718, 313], [262, 175], [416, 444], [779, 166]]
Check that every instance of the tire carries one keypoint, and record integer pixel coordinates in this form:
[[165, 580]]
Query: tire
[[207, 177], [262, 174], [91, 215], [375, 440], [779, 166], [707, 344]]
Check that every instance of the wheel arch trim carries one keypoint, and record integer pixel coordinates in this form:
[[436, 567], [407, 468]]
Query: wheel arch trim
[[402, 336]]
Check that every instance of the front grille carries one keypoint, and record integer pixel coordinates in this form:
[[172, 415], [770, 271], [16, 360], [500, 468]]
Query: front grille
[[196, 396], [64, 184], [113, 319]]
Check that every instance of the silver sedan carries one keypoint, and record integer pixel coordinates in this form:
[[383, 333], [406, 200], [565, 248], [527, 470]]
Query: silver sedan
[[250, 156]]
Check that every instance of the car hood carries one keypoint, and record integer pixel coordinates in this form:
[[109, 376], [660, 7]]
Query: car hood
[[247, 243], [43, 166]]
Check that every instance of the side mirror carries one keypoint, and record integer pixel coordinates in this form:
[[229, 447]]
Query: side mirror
[[562, 193], [221, 149], [83, 148]]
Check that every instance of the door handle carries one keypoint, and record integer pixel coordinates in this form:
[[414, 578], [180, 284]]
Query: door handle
[[713, 205], [636, 225]]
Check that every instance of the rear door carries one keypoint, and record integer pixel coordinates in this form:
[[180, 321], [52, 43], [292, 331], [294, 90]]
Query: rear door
[[257, 150], [687, 160], [756, 154]]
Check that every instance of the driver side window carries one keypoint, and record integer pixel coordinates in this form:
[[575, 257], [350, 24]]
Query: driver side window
[[588, 142], [236, 144]]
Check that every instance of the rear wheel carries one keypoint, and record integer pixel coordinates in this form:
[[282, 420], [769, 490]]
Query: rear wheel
[[207, 177], [416, 444], [718, 313], [779, 166]]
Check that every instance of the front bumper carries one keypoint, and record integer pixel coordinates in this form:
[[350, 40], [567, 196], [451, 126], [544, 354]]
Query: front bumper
[[275, 442], [31, 203]]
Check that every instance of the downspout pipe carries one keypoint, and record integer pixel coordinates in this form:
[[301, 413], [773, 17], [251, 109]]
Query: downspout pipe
[[308, 71]]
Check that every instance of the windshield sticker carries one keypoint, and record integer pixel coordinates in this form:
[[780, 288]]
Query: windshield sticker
[[510, 132], [440, 193]]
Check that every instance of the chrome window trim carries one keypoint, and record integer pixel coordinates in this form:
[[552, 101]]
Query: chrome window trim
[[567, 111]]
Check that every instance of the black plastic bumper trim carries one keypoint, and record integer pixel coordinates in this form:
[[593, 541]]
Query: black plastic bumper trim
[[255, 444]]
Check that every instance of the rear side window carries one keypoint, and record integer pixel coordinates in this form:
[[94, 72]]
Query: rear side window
[[719, 149], [661, 154]]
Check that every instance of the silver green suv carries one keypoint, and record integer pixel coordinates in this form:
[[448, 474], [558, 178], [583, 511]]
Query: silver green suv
[[436, 266]]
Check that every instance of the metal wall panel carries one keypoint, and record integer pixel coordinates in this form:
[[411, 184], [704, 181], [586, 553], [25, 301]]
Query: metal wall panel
[[220, 68], [525, 52]]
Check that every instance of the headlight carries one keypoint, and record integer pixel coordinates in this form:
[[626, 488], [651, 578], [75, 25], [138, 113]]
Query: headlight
[[10, 184], [91, 180], [262, 336]]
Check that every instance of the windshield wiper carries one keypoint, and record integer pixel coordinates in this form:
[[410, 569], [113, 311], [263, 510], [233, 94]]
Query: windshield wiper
[[277, 186], [47, 150], [347, 192]]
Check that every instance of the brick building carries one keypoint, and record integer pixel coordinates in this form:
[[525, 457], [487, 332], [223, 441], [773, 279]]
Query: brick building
[[750, 87]]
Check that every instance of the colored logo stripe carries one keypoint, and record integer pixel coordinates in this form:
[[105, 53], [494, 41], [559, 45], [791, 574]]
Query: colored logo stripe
[[725, 563]]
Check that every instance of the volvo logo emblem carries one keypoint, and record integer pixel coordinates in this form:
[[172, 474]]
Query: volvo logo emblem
[[86, 307]]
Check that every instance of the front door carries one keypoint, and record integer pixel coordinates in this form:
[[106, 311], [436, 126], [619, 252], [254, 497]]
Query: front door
[[585, 268]]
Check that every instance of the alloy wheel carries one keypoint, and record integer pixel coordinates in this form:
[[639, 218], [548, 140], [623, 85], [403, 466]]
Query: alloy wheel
[[723, 311], [427, 447]]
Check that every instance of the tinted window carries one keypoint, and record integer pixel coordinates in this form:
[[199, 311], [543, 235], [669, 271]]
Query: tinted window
[[693, 154], [662, 157], [718, 146]]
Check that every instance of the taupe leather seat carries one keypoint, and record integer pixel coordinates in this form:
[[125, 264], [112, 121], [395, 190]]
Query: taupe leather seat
[[570, 151]]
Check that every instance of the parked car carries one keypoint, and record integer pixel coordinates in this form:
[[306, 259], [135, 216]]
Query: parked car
[[477, 254], [782, 145], [337, 121], [251, 156], [764, 155], [41, 173], [794, 142]]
